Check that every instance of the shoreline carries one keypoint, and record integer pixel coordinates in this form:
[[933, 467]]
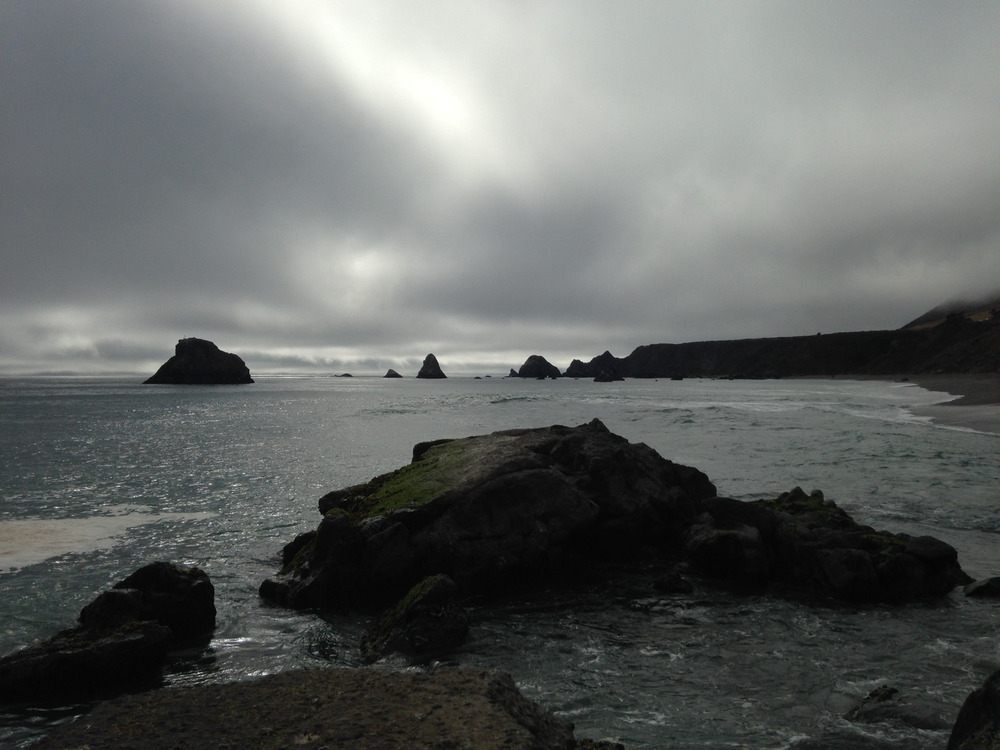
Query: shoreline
[[976, 402]]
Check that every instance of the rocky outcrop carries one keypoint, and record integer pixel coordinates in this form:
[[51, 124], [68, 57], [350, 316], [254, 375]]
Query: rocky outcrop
[[336, 708], [390, 373], [978, 724], [492, 510], [430, 368], [427, 622], [121, 641], [536, 366], [488, 511], [200, 362], [809, 542]]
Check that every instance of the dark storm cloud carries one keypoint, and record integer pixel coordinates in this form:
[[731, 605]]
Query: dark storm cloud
[[324, 184]]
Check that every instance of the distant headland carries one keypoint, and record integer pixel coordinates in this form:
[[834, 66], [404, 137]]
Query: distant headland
[[945, 340]]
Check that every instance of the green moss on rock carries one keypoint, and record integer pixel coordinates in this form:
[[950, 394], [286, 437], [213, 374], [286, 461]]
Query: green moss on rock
[[439, 469]]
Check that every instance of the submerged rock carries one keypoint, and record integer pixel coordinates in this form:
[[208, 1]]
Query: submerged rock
[[200, 362], [122, 639], [487, 511], [430, 368]]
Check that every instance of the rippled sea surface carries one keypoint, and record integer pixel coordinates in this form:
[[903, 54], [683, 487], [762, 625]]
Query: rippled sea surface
[[100, 476]]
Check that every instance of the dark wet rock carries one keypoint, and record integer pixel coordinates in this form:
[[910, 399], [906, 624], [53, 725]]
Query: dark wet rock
[[536, 366], [887, 705], [978, 724], [426, 623], [390, 373], [430, 368], [200, 362], [489, 511], [122, 639], [988, 588], [673, 583], [808, 541]]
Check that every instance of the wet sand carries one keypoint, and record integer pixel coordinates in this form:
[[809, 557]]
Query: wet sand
[[977, 402]]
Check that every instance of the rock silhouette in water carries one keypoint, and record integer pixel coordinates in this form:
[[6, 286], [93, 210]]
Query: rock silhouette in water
[[200, 362], [390, 373], [431, 368], [536, 366]]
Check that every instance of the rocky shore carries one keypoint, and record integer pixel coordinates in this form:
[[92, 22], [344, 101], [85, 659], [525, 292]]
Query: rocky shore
[[473, 516]]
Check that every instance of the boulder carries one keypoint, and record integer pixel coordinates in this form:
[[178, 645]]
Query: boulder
[[121, 642], [489, 511], [536, 366], [390, 373], [200, 362], [426, 623], [430, 368], [978, 724], [808, 541]]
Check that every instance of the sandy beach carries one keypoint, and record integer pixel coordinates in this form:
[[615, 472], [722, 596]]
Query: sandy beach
[[976, 405]]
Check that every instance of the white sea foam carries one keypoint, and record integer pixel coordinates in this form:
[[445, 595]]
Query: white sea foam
[[32, 540]]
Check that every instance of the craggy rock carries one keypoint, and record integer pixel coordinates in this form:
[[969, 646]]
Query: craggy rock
[[426, 623], [978, 724], [200, 362], [121, 641], [431, 368], [390, 373], [488, 511], [536, 366], [806, 541]]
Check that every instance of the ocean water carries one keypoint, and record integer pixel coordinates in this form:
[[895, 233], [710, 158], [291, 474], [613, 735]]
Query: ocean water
[[100, 476]]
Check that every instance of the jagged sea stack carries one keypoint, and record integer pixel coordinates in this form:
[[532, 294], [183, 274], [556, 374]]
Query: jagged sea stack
[[201, 362], [431, 368]]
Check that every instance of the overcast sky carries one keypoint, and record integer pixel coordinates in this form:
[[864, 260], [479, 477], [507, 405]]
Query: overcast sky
[[347, 186]]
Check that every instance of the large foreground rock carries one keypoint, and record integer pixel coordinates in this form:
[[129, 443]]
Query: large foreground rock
[[519, 504], [487, 511], [200, 362], [978, 724], [122, 639], [348, 709]]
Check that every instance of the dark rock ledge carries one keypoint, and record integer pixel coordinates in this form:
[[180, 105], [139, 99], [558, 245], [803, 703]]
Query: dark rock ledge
[[201, 362], [121, 642], [348, 709]]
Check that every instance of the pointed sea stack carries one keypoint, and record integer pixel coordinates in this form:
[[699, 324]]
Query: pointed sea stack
[[431, 368], [390, 373], [200, 362]]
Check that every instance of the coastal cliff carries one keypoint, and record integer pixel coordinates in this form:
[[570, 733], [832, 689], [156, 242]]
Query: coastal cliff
[[958, 344]]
